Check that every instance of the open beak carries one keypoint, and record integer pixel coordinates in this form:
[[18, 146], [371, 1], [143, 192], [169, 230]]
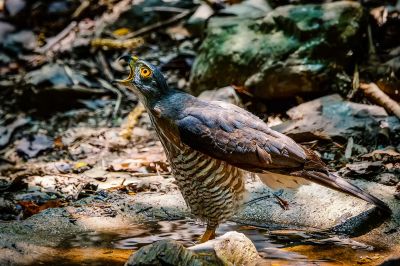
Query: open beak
[[131, 60]]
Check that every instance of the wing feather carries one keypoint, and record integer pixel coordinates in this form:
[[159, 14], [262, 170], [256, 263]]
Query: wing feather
[[229, 133]]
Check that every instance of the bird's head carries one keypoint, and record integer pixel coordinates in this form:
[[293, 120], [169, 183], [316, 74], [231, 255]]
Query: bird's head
[[144, 79]]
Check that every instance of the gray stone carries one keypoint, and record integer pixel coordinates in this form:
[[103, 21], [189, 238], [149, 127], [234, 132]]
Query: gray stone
[[164, 252], [332, 117], [292, 50], [232, 248], [311, 206]]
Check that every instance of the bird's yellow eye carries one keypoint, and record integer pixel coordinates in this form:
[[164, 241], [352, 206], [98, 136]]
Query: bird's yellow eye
[[145, 72]]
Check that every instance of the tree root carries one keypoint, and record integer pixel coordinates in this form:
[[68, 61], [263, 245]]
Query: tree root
[[375, 94]]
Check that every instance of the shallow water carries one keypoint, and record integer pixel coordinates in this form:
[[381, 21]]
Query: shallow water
[[277, 247]]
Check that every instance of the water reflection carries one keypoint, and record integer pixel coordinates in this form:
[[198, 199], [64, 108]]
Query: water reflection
[[273, 245]]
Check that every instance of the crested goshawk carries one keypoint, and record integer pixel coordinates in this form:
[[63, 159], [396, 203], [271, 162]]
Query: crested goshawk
[[211, 145]]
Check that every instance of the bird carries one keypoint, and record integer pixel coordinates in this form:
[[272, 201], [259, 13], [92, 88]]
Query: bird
[[212, 145]]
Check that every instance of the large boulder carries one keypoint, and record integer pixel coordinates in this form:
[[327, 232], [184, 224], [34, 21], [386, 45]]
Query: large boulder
[[331, 117], [292, 50]]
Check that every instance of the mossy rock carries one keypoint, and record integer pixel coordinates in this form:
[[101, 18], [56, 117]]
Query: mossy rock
[[293, 50]]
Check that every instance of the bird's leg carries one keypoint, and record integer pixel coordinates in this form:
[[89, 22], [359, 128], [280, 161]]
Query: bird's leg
[[208, 234]]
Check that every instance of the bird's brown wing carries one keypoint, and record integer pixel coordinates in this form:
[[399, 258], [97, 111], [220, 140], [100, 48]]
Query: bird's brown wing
[[227, 132]]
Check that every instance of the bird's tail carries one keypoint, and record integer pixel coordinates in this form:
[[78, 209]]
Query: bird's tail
[[334, 181]]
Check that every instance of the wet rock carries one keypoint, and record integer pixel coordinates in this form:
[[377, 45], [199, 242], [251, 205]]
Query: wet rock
[[293, 50], [310, 206], [332, 117], [20, 253], [232, 248], [164, 252], [113, 211], [8, 209]]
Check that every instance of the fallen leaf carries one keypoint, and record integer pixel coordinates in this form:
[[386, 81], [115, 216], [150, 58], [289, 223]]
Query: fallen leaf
[[30, 208], [121, 31], [7, 131], [31, 147], [80, 165]]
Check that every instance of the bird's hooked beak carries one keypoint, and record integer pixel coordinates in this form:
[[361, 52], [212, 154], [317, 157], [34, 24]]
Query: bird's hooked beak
[[131, 60]]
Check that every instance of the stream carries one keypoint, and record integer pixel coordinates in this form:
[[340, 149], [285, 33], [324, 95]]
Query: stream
[[276, 247]]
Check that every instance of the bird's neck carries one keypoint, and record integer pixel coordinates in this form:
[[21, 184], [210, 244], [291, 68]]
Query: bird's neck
[[164, 114]]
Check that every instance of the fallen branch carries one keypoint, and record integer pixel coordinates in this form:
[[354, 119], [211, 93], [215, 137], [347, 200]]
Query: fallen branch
[[104, 66], [164, 9], [58, 38], [131, 43], [355, 83], [108, 86], [131, 121], [376, 95], [83, 6]]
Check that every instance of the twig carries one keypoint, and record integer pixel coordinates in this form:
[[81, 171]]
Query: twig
[[371, 46], [7, 161], [143, 210], [83, 6], [108, 86], [70, 74], [164, 9], [349, 148], [132, 121], [257, 200], [131, 43], [375, 94], [58, 38], [104, 65], [355, 83], [160, 24]]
